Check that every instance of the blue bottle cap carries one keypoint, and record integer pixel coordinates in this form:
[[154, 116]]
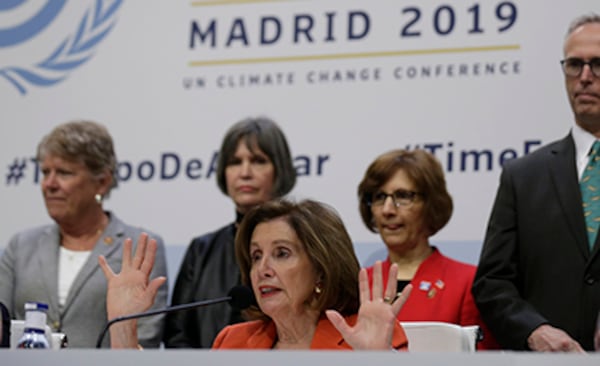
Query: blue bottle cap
[[36, 306]]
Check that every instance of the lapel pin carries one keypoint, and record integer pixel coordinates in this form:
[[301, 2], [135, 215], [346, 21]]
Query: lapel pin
[[424, 285], [440, 284]]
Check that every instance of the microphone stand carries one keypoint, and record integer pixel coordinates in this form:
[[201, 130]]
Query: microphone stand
[[158, 311]]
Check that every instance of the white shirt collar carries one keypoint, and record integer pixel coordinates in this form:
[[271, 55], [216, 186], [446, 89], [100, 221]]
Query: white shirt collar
[[583, 144]]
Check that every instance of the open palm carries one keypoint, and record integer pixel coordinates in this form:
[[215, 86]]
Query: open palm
[[374, 327]]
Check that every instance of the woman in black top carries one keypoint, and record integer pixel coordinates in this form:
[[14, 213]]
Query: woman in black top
[[254, 166]]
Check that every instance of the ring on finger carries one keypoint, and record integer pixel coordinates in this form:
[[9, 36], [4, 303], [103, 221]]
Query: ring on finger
[[387, 300]]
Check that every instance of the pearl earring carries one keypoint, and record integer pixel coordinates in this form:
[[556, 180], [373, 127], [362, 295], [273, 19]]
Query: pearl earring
[[98, 198], [318, 289]]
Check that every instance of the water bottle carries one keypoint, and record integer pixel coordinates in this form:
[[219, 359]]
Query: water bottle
[[34, 335]]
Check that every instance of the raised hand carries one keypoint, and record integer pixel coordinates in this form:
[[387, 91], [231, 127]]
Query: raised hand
[[374, 327], [130, 291]]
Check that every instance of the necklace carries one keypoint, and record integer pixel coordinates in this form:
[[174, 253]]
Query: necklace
[[81, 243]]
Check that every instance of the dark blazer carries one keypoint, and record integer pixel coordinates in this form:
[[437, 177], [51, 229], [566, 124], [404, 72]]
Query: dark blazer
[[29, 272], [536, 266], [208, 271]]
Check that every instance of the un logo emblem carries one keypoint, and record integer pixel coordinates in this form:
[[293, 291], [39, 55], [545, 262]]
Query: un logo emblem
[[27, 22]]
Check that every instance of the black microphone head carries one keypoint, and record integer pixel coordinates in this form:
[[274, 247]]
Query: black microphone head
[[241, 297]]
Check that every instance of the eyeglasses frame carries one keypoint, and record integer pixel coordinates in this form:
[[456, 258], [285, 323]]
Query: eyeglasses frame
[[414, 195], [595, 60]]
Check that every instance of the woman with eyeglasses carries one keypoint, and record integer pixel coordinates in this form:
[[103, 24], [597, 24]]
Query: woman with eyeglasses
[[403, 197]]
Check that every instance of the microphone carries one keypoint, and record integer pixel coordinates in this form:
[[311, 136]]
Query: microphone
[[239, 297]]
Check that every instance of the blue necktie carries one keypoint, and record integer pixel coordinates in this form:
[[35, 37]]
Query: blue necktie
[[590, 193]]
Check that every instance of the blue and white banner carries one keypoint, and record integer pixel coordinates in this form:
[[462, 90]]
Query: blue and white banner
[[476, 82]]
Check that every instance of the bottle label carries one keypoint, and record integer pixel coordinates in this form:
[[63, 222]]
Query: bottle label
[[35, 320]]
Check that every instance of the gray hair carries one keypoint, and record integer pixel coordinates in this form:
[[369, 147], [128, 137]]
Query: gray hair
[[82, 141], [265, 134], [583, 20]]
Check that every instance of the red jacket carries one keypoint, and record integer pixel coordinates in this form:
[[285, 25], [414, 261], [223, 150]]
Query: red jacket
[[442, 292], [260, 334]]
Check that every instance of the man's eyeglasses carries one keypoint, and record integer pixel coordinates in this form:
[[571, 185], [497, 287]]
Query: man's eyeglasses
[[574, 66], [400, 197]]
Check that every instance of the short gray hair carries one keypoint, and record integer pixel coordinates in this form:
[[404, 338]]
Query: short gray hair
[[583, 20], [86, 142]]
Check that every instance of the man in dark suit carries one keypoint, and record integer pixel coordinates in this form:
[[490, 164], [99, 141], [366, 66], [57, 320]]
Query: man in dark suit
[[538, 281]]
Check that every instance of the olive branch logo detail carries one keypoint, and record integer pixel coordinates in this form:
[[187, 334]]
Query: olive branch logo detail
[[75, 50]]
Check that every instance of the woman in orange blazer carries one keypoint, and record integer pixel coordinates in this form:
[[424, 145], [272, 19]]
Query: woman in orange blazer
[[310, 292]]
